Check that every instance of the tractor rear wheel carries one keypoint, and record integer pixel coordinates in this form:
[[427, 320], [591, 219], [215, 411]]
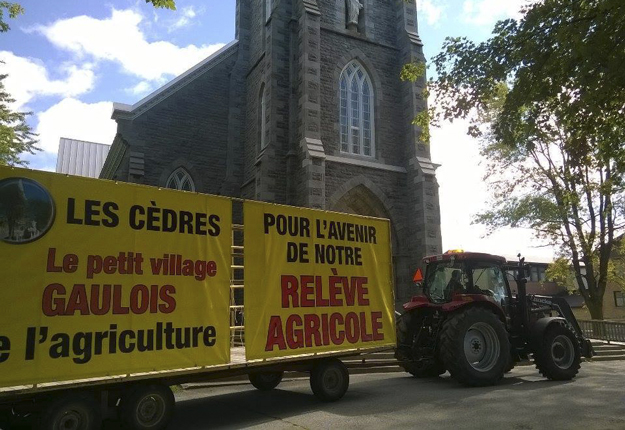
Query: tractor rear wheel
[[474, 347], [407, 326], [558, 356]]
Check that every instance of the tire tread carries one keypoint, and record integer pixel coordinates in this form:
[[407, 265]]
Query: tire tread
[[542, 359], [450, 351]]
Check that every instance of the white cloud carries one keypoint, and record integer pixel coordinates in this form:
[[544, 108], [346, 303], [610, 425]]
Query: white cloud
[[119, 39], [141, 89], [186, 16], [74, 119], [431, 10], [28, 78], [487, 12]]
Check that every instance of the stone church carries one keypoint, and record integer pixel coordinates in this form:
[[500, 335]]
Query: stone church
[[305, 107]]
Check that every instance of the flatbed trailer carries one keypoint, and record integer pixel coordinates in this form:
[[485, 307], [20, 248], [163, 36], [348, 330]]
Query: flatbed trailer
[[298, 314], [239, 366], [28, 403]]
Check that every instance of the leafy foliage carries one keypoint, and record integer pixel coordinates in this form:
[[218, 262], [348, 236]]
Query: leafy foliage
[[166, 4], [560, 272], [413, 72], [16, 136], [546, 97], [13, 9]]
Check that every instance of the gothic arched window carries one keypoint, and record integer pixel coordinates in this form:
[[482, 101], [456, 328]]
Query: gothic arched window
[[180, 180], [356, 111]]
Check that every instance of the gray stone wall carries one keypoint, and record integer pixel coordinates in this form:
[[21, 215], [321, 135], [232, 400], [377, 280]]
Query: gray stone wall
[[253, 84], [383, 68], [378, 21], [212, 125], [189, 128]]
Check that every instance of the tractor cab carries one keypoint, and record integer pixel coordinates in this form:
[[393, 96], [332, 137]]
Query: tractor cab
[[457, 278]]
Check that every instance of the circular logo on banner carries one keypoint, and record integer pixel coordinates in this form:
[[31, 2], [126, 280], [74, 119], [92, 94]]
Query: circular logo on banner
[[26, 210]]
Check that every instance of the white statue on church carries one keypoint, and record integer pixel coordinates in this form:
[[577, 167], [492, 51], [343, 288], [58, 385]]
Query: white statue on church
[[353, 13]]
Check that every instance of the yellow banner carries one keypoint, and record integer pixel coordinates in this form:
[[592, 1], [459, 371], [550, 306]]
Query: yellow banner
[[102, 278], [315, 282]]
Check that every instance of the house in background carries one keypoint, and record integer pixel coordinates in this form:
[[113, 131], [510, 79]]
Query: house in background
[[80, 158], [537, 282], [613, 299]]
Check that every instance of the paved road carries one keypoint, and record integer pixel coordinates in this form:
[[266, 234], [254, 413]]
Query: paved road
[[523, 401]]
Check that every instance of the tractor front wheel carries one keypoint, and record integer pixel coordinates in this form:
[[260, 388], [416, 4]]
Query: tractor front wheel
[[474, 347], [558, 356]]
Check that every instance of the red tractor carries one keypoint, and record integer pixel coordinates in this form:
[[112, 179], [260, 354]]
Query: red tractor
[[467, 322]]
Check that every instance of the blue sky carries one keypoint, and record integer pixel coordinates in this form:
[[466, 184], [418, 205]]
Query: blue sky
[[69, 60]]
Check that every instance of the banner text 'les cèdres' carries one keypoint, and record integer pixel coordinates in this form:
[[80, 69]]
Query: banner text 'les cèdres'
[[102, 279], [315, 282]]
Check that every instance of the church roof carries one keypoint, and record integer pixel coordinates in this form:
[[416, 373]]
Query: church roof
[[125, 111]]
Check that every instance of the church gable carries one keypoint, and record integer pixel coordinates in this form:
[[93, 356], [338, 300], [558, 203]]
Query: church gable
[[124, 111], [305, 108], [182, 125]]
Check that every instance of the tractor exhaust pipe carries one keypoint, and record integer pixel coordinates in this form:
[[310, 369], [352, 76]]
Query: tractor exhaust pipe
[[521, 282]]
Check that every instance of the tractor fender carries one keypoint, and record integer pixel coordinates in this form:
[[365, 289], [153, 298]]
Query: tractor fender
[[457, 306], [537, 331]]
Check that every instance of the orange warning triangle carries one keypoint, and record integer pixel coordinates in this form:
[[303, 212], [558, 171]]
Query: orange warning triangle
[[418, 276]]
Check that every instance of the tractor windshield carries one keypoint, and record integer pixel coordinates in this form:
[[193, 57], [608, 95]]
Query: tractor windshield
[[445, 278]]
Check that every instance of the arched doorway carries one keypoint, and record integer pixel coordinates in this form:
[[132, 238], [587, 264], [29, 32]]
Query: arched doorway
[[361, 200]]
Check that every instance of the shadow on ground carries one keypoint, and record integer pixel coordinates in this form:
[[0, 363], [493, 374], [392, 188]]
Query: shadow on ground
[[244, 406]]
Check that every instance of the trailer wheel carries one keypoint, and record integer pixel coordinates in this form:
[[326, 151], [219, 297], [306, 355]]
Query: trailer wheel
[[265, 381], [329, 380], [475, 348], [147, 407], [558, 357], [74, 411]]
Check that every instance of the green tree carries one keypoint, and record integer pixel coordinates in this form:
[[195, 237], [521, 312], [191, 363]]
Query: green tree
[[166, 4], [12, 9], [16, 136], [546, 97]]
